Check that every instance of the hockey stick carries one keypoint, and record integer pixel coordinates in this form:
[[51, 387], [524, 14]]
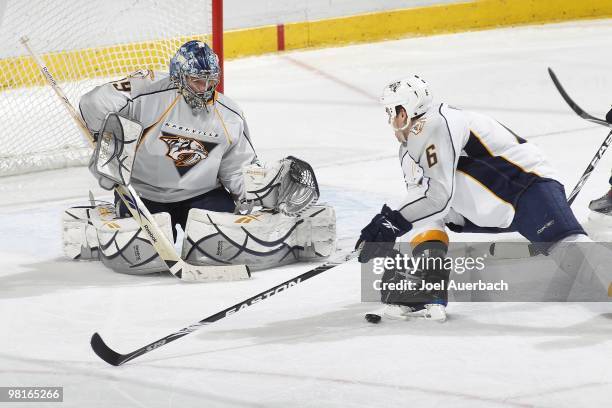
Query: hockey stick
[[113, 358], [602, 149], [587, 173], [579, 111], [177, 266], [529, 250]]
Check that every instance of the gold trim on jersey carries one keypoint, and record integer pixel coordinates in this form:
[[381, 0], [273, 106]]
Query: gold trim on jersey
[[158, 121], [477, 136], [227, 136], [212, 100]]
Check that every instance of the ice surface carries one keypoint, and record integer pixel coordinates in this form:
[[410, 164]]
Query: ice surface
[[311, 347]]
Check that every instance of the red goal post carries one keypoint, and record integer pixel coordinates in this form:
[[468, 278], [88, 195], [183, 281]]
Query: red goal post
[[217, 40]]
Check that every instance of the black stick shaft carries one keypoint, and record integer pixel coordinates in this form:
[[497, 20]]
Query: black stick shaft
[[577, 109], [602, 149], [112, 357], [587, 173]]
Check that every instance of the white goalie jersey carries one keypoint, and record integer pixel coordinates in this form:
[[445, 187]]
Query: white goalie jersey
[[182, 153]]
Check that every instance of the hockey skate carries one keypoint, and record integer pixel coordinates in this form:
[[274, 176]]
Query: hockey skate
[[599, 225], [430, 311], [602, 205]]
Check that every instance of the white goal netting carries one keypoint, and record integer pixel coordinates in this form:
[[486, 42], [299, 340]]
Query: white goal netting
[[84, 43]]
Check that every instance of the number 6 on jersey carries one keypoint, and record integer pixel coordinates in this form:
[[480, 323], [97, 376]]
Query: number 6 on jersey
[[432, 158]]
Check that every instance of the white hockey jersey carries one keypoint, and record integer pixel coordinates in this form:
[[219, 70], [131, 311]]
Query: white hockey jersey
[[182, 153], [467, 161]]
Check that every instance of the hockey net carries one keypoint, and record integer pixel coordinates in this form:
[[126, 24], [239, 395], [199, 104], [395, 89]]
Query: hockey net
[[84, 44]]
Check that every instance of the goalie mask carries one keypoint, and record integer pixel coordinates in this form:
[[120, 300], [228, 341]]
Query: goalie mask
[[195, 71]]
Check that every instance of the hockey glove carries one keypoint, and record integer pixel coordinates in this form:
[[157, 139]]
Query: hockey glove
[[378, 237]]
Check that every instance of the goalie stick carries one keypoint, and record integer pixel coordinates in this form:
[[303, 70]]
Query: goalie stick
[[113, 358], [177, 266], [529, 250]]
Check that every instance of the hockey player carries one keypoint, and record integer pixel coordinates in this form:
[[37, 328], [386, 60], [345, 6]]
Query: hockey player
[[474, 175], [190, 167], [196, 140]]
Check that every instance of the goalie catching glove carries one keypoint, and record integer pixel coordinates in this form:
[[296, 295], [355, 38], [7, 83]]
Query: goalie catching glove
[[288, 186]]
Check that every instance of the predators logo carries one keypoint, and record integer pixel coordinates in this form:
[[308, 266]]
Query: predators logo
[[418, 126], [185, 151], [394, 86]]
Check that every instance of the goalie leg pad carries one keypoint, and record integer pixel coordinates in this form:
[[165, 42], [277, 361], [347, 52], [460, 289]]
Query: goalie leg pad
[[260, 240], [125, 248], [317, 233], [79, 237]]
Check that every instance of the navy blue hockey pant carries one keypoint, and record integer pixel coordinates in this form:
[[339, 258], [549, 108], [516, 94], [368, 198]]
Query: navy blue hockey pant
[[218, 200]]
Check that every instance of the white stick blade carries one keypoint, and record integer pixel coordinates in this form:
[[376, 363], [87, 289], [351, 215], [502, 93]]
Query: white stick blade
[[222, 273]]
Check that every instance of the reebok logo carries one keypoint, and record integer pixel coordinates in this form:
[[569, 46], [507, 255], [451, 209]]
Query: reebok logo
[[137, 253], [548, 224], [392, 227], [148, 230], [246, 219]]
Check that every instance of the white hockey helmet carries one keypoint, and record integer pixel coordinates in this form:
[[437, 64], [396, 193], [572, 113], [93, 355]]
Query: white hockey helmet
[[411, 93]]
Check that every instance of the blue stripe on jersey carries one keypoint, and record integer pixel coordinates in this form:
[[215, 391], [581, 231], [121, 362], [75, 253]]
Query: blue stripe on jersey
[[475, 148], [502, 177]]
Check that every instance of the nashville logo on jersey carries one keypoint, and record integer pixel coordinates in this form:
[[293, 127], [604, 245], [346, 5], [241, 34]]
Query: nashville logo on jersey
[[393, 87], [185, 151], [418, 126], [193, 131]]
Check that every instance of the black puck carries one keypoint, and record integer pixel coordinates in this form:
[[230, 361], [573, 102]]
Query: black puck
[[609, 117], [372, 318]]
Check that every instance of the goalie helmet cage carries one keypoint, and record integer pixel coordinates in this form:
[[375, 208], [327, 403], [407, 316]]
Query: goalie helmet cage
[[84, 44]]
